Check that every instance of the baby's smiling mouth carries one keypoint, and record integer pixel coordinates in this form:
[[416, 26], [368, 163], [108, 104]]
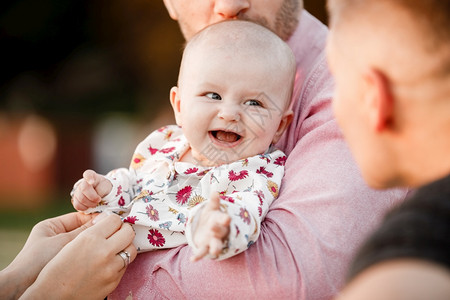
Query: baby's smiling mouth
[[225, 136]]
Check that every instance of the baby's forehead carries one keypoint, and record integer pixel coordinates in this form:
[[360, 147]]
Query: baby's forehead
[[241, 39]]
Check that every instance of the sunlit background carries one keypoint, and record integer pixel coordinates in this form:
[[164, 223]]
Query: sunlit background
[[81, 83]]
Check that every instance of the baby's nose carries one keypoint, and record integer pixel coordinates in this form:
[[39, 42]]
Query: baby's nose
[[229, 113]]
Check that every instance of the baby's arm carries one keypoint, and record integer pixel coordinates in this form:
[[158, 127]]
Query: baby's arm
[[212, 229], [90, 190]]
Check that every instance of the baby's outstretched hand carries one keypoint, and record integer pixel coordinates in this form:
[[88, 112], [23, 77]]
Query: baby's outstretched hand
[[90, 190], [212, 229]]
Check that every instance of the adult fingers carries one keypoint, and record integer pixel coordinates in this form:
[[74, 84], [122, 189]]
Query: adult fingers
[[126, 256], [106, 226], [68, 222], [122, 238]]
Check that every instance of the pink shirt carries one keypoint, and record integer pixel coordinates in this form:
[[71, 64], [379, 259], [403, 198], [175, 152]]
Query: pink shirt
[[323, 213]]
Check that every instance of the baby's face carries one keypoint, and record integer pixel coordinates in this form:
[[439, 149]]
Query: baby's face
[[231, 105]]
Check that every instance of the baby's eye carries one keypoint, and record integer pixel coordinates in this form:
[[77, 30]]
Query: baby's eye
[[214, 96], [253, 103]]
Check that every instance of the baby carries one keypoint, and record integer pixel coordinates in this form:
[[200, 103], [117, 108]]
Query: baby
[[209, 180]]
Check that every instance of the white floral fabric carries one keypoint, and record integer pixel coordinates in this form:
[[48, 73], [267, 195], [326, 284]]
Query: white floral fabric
[[163, 197]]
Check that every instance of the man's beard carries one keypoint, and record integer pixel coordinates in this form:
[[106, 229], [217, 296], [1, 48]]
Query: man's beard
[[286, 19]]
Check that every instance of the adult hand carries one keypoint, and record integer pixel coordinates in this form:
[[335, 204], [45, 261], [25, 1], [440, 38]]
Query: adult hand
[[46, 239], [212, 229], [88, 267]]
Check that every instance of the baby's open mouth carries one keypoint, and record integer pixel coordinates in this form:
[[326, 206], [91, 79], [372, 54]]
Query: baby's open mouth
[[225, 136]]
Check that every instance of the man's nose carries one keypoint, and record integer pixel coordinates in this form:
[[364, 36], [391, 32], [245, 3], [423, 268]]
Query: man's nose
[[230, 9]]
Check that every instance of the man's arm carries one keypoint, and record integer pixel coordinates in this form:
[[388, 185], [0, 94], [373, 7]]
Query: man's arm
[[323, 213]]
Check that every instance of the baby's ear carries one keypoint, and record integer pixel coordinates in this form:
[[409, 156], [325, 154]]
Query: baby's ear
[[176, 104], [284, 123]]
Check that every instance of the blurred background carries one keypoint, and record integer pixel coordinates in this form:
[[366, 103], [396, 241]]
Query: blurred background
[[81, 83]]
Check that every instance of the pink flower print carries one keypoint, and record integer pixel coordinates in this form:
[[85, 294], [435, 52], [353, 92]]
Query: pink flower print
[[119, 190], [184, 194], [280, 161], [121, 201], [152, 150], [167, 150], [245, 216], [226, 198], [237, 176], [190, 171], [260, 211], [260, 195], [156, 238], [162, 129], [262, 170], [152, 213], [131, 219]]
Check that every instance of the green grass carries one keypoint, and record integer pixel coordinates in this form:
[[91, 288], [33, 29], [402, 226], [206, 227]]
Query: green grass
[[27, 218]]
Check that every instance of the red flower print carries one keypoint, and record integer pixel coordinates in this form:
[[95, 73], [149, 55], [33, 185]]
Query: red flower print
[[167, 150], [263, 171], [235, 176], [281, 161], [191, 171], [184, 194], [152, 150], [226, 198], [121, 201], [131, 219], [245, 216], [260, 195], [260, 210], [152, 213], [156, 238]]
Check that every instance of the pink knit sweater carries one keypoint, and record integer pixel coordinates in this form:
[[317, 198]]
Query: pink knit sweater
[[311, 231]]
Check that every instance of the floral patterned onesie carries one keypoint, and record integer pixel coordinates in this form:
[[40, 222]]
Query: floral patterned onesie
[[162, 196]]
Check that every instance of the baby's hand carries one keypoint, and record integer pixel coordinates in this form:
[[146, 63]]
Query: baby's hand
[[212, 229], [90, 190]]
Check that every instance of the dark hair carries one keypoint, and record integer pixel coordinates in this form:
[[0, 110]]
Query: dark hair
[[419, 228]]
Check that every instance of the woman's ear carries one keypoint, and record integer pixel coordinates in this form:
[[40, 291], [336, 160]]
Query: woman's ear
[[170, 8], [176, 104], [284, 123], [379, 100]]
